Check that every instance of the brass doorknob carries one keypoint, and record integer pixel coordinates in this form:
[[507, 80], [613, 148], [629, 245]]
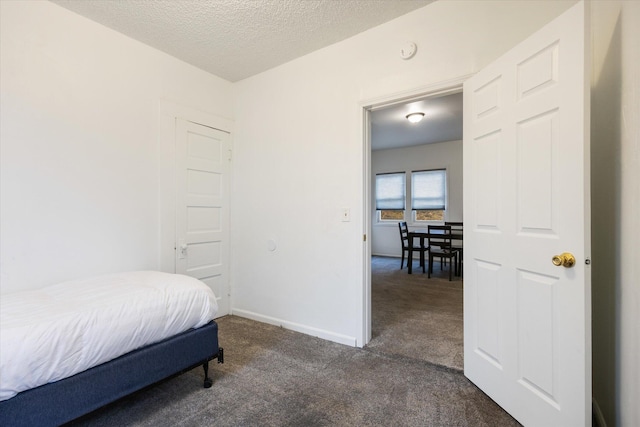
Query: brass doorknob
[[565, 259]]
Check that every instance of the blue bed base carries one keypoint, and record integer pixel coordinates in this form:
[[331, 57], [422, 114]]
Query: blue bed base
[[56, 403]]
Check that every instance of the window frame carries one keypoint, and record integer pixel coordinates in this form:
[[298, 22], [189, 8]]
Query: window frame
[[379, 218]]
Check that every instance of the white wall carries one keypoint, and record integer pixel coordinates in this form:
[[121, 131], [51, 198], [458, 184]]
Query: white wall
[[79, 156], [615, 186], [299, 156], [385, 237]]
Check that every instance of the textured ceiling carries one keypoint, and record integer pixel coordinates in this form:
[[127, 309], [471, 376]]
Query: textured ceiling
[[235, 39]]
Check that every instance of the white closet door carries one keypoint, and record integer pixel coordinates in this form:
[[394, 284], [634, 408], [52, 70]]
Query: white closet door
[[202, 207]]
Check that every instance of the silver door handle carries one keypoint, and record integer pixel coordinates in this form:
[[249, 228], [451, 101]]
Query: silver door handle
[[183, 250]]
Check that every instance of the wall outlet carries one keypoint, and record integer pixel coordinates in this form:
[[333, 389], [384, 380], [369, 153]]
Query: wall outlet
[[346, 215]]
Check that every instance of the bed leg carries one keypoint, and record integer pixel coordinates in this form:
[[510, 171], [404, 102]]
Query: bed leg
[[208, 382]]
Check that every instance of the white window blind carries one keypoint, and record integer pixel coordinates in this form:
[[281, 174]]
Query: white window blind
[[428, 189], [390, 191]]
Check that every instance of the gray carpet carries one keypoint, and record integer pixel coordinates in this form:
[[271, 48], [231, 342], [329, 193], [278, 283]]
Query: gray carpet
[[414, 316], [275, 377]]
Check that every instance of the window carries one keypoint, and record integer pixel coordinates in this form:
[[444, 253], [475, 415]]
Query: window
[[429, 194], [387, 215], [390, 196]]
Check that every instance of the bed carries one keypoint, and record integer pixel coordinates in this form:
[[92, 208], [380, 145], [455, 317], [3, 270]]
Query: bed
[[68, 349]]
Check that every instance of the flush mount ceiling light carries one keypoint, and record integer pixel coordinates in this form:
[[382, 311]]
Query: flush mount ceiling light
[[415, 117]]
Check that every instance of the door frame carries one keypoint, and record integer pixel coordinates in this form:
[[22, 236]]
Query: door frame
[[366, 106], [168, 113]]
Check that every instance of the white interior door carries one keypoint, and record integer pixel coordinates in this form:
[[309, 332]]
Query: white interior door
[[527, 335], [202, 207]]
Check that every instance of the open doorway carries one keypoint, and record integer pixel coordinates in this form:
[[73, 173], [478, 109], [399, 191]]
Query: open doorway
[[411, 315]]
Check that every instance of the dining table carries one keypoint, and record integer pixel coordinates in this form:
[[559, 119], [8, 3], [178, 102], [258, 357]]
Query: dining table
[[422, 234]]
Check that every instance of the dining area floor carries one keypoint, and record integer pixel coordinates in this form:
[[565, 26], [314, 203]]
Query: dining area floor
[[416, 316]]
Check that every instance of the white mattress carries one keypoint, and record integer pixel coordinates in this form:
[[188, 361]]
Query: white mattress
[[55, 332]]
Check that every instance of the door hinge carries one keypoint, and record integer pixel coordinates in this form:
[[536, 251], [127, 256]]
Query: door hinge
[[230, 154], [364, 237]]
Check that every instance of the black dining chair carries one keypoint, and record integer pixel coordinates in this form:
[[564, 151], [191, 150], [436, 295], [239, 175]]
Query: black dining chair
[[404, 239], [440, 247], [456, 244]]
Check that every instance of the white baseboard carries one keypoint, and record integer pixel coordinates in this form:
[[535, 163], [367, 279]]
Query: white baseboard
[[598, 413], [415, 256], [308, 330]]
